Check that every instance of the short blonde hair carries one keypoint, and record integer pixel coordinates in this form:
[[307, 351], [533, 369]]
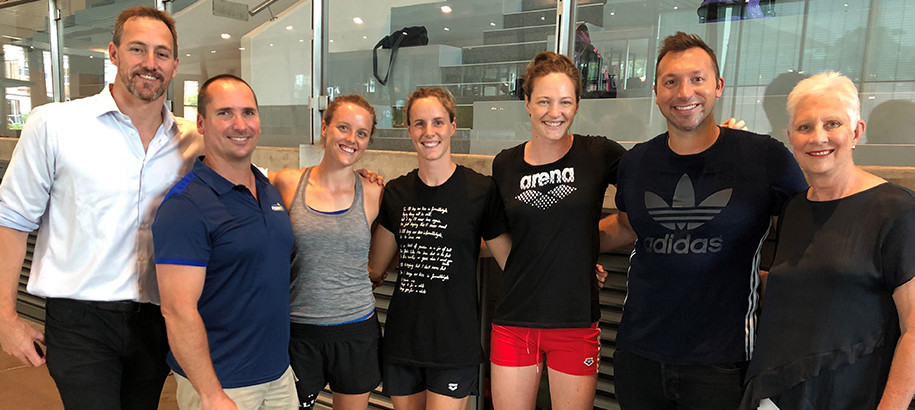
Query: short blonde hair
[[442, 95]]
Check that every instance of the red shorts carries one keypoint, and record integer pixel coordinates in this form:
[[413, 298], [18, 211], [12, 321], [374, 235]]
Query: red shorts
[[574, 351]]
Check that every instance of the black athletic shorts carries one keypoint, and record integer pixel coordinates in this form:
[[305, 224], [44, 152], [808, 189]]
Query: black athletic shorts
[[404, 380], [347, 356]]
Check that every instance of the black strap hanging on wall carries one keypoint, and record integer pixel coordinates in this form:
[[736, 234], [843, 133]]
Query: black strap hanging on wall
[[405, 37]]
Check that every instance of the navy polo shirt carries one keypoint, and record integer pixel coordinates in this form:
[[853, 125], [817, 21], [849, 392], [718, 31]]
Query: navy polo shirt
[[245, 245]]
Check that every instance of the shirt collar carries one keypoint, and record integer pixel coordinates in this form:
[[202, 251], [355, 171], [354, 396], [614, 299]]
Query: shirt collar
[[105, 104], [218, 183]]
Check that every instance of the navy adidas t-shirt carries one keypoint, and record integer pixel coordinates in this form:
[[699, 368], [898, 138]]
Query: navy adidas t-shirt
[[701, 220]]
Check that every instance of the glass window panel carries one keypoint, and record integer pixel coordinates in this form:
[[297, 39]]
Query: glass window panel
[[23, 37], [270, 50], [763, 47], [477, 51], [87, 30]]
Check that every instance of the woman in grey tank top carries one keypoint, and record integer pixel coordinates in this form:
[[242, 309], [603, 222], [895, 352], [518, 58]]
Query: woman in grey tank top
[[335, 336]]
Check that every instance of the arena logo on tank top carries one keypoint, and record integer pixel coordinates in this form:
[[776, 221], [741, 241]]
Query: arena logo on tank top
[[544, 200], [682, 214]]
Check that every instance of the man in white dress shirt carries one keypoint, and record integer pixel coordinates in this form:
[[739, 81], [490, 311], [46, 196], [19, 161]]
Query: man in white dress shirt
[[90, 174]]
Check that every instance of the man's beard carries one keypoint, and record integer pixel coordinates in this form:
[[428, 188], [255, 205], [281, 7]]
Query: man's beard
[[138, 92]]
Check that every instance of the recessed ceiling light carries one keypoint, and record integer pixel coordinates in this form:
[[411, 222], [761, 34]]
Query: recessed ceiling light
[[612, 13], [492, 24], [241, 48], [187, 54], [358, 20], [225, 36], [301, 40], [676, 8], [271, 44], [288, 27], [446, 9], [364, 37], [447, 29], [542, 18], [212, 51]]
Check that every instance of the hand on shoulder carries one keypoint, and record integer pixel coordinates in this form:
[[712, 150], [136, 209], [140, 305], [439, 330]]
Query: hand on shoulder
[[286, 181]]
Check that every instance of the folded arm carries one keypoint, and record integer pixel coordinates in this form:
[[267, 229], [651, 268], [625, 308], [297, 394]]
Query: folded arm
[[615, 232], [180, 287], [381, 254]]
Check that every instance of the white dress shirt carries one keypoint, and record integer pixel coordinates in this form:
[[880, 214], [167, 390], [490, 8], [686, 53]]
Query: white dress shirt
[[80, 174]]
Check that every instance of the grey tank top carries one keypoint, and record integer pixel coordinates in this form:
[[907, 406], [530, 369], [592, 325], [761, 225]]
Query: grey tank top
[[329, 278]]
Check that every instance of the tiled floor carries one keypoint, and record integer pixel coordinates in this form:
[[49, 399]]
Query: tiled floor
[[31, 388]]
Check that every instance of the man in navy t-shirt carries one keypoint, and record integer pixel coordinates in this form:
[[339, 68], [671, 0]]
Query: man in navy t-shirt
[[223, 243], [698, 202]]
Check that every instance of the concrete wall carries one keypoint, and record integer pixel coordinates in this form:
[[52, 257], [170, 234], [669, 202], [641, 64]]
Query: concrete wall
[[272, 158], [390, 164]]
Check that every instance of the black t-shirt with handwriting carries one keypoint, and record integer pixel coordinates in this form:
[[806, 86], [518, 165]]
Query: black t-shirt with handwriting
[[433, 316]]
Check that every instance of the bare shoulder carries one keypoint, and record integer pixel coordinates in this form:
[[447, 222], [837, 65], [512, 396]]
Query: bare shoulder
[[287, 176]]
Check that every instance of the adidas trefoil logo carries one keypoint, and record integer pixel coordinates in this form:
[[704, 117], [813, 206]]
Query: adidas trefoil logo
[[683, 212], [681, 215]]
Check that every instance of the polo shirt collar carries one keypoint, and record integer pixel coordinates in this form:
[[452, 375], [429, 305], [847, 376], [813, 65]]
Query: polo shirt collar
[[217, 182], [104, 104]]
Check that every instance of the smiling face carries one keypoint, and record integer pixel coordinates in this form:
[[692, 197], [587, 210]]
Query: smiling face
[[686, 89], [823, 136], [145, 59], [347, 135], [552, 106], [231, 127], [430, 129]]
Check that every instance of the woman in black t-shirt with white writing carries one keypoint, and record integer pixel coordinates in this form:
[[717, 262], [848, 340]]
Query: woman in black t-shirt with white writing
[[434, 217]]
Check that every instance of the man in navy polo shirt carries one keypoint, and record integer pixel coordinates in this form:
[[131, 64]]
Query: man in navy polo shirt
[[223, 243]]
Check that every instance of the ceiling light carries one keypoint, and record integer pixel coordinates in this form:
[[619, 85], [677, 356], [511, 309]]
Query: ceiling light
[[364, 37], [303, 40], [241, 48], [212, 51], [187, 54], [331, 41], [447, 29], [492, 24], [676, 8], [358, 20], [612, 13], [271, 44], [446, 9], [225, 36], [288, 27]]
